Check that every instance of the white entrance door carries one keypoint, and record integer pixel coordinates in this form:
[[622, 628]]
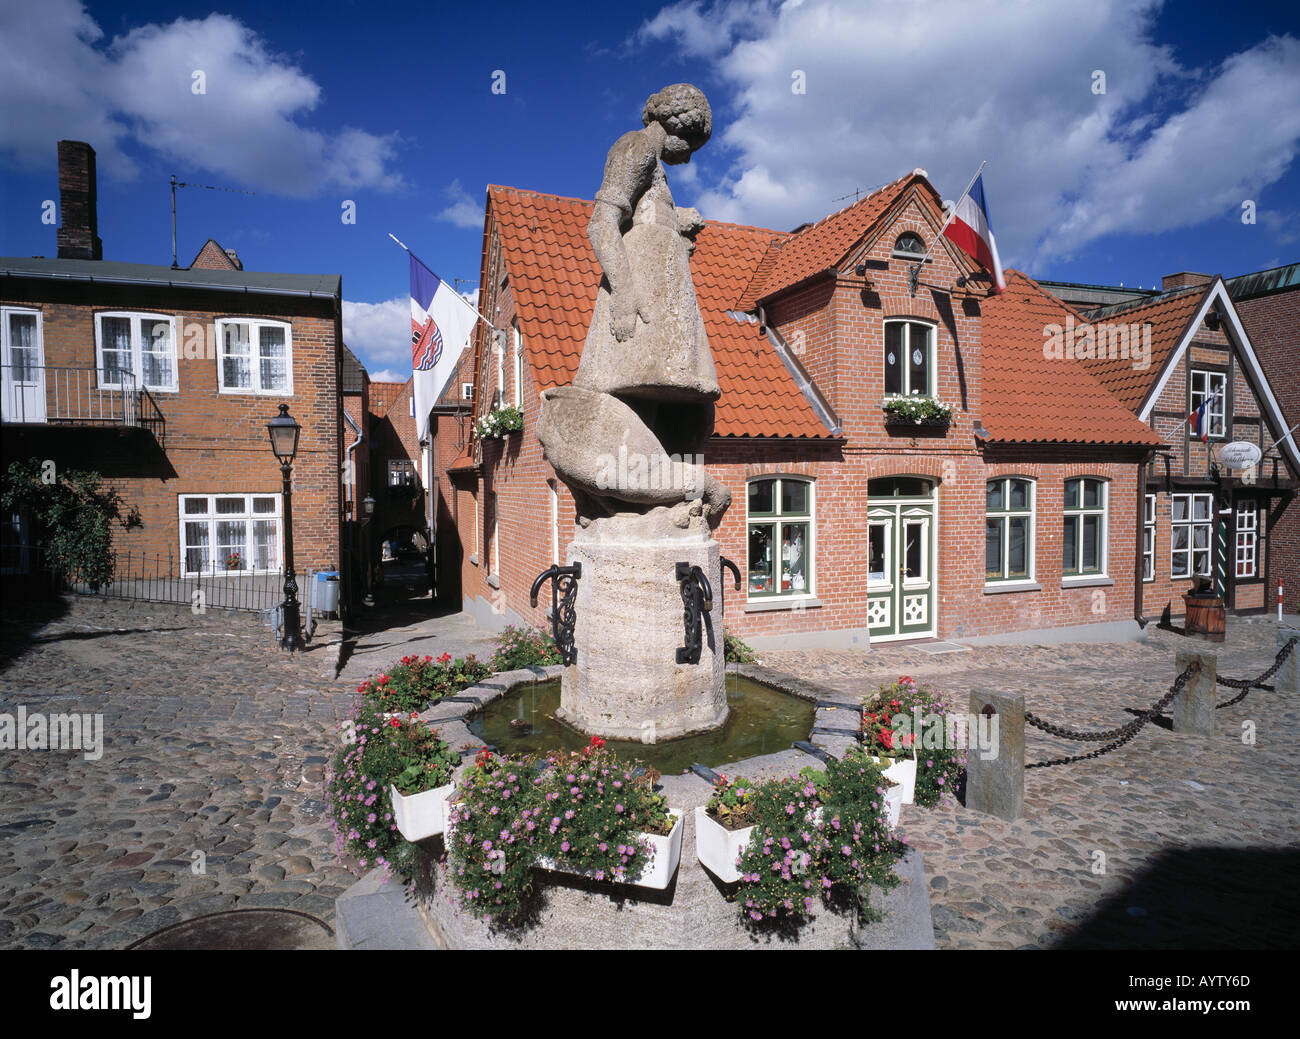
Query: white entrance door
[[900, 559], [22, 363]]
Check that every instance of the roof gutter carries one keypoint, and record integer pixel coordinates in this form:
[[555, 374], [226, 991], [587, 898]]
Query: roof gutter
[[354, 445], [208, 286]]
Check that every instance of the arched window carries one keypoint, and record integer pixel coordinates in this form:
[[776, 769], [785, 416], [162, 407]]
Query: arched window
[[909, 244], [780, 537], [1009, 529]]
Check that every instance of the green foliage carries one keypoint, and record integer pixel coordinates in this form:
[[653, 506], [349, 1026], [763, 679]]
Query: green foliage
[[940, 761], [918, 407], [823, 836], [736, 651], [417, 682], [732, 803], [72, 515], [375, 753], [524, 647]]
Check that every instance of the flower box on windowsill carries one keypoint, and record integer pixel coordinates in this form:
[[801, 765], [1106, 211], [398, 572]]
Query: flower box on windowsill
[[421, 815], [718, 848], [896, 421], [666, 850]]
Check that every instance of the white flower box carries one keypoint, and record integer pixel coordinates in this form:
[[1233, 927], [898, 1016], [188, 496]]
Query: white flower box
[[901, 771], [421, 815], [718, 848], [666, 849]]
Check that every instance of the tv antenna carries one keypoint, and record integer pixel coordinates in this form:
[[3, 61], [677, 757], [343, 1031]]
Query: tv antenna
[[183, 184]]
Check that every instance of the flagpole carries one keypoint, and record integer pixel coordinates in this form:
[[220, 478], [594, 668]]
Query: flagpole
[[1279, 440], [467, 303], [916, 267]]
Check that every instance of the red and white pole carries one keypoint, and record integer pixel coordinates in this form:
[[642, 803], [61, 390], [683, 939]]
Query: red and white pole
[[1279, 600]]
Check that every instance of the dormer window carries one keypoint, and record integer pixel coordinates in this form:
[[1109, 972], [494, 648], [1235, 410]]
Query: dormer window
[[909, 359], [909, 244]]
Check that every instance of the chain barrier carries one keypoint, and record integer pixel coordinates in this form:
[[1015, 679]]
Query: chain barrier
[[1247, 684], [1114, 738]]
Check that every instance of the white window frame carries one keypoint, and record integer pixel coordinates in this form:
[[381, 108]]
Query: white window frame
[[1148, 538], [1006, 514], [254, 358], [1246, 539], [1102, 510], [1191, 523], [137, 318], [212, 517], [778, 520], [905, 369], [519, 367], [4, 333], [501, 370], [1216, 413]]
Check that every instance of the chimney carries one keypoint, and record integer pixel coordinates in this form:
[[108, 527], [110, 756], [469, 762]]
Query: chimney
[[79, 236], [1182, 278]]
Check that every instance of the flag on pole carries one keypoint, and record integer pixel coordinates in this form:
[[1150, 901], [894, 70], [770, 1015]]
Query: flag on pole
[[441, 323], [971, 231]]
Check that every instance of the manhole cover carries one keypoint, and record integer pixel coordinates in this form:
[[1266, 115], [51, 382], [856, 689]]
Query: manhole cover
[[243, 929]]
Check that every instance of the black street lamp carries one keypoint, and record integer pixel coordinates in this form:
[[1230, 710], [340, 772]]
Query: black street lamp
[[368, 508], [284, 443]]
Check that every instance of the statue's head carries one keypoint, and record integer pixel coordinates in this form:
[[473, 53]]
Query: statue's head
[[683, 111]]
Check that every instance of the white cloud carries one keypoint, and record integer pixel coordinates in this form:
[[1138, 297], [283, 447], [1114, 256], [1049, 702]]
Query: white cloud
[[390, 375], [379, 333], [948, 83], [249, 126], [463, 211]]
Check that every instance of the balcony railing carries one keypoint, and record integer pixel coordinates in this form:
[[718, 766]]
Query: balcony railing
[[41, 395]]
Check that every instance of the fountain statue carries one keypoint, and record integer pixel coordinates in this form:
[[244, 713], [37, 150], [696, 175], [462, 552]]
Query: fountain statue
[[627, 439]]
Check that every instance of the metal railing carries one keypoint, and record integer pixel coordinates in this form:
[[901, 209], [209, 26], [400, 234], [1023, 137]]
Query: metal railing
[[44, 395], [144, 577]]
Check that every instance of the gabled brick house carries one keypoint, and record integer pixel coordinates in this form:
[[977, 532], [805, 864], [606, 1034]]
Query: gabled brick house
[[163, 380], [847, 526]]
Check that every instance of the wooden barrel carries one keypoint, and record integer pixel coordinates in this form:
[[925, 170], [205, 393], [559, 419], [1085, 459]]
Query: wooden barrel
[[1205, 617]]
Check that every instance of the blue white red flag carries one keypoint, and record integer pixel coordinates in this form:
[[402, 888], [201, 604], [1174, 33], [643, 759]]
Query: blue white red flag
[[972, 232], [441, 323], [1198, 421]]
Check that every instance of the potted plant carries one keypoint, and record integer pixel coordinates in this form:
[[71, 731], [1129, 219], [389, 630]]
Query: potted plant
[[939, 758], [234, 561], [917, 411], [603, 820], [893, 751], [723, 827], [499, 423], [420, 790]]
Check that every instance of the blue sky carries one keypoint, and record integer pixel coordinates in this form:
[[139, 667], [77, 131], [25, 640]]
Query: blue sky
[[391, 106]]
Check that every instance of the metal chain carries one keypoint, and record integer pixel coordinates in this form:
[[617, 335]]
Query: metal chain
[[1120, 735], [1247, 684]]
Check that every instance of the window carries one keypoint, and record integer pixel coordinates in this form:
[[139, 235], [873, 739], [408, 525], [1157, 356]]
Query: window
[[135, 348], [401, 473], [909, 346], [255, 357], [466, 391], [909, 244], [1191, 523], [501, 370], [780, 514], [1083, 546], [519, 368], [230, 533], [1210, 384], [1149, 538], [1009, 530], [1247, 537]]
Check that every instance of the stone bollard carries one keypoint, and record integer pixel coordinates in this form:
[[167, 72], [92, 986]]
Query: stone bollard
[[995, 782], [1287, 679], [1194, 706]]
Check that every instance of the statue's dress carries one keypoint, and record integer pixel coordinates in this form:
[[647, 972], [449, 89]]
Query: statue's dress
[[667, 359]]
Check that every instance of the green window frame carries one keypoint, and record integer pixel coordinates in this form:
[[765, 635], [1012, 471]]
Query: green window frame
[[1008, 529], [780, 537], [1084, 536]]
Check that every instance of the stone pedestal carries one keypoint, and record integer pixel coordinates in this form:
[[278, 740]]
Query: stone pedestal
[[1288, 675], [627, 684], [995, 780], [1193, 708]]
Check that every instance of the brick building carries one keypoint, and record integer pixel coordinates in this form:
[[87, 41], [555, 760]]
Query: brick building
[[847, 525], [163, 380], [396, 473]]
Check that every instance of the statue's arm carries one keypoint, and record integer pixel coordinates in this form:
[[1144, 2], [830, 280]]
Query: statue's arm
[[629, 168]]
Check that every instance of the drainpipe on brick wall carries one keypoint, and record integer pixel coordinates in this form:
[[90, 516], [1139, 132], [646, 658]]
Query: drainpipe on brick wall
[[1139, 585], [349, 469]]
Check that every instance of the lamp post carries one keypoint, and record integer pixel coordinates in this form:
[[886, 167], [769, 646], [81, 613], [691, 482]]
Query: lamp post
[[368, 507], [284, 432]]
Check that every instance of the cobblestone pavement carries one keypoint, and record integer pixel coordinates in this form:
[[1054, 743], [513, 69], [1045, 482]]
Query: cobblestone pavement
[[217, 743], [1199, 836]]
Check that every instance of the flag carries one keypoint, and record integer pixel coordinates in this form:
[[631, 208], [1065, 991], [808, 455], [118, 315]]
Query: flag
[[970, 230], [1199, 421], [441, 323]]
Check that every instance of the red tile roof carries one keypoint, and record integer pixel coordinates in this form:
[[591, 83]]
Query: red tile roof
[[383, 394], [1169, 314], [554, 275], [1031, 398], [823, 246]]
